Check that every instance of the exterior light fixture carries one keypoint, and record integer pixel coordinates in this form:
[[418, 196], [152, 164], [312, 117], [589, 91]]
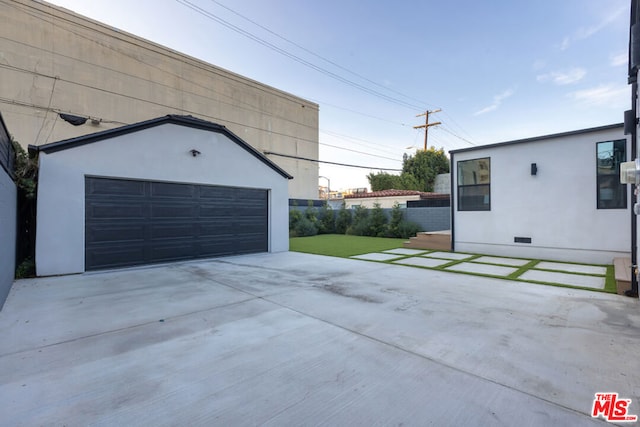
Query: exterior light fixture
[[71, 119], [194, 152]]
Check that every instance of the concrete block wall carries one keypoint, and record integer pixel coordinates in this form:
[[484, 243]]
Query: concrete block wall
[[430, 219]]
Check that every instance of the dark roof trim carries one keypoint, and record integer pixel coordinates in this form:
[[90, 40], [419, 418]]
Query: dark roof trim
[[188, 121], [540, 138]]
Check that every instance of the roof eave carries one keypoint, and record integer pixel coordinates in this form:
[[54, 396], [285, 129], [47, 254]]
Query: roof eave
[[188, 121]]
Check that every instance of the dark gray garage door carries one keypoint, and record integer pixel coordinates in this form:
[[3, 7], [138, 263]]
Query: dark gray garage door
[[131, 222]]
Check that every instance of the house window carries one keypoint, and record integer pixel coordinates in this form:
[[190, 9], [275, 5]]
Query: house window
[[474, 185], [610, 193]]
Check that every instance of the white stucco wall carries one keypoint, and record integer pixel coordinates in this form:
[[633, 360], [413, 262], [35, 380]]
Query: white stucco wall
[[555, 208], [160, 153], [385, 202], [8, 211]]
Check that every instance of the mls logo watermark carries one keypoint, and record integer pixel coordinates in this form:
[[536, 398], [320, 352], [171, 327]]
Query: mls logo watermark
[[611, 408]]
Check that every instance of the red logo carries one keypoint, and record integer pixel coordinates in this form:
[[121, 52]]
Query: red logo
[[612, 408]]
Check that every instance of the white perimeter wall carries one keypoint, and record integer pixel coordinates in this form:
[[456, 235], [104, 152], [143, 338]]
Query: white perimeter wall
[[556, 207], [384, 202], [160, 153]]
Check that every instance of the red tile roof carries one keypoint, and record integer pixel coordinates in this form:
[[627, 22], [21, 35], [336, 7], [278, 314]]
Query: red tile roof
[[396, 193]]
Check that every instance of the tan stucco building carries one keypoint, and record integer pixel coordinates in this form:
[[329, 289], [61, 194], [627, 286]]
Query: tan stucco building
[[53, 61]]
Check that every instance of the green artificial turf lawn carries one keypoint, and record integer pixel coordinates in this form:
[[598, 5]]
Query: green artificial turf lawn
[[342, 245], [345, 246]]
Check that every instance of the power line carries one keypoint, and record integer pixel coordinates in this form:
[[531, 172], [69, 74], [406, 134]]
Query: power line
[[315, 54], [195, 63], [329, 163], [457, 136], [296, 58]]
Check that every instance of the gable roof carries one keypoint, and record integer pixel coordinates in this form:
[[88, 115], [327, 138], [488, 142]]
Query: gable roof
[[188, 121], [397, 193], [539, 138]]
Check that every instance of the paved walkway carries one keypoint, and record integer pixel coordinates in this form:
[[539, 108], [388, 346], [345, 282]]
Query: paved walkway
[[294, 339], [559, 273]]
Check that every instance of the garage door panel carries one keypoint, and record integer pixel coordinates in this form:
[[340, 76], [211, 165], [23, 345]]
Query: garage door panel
[[209, 211], [164, 189], [251, 243], [218, 247], [225, 194], [172, 251], [172, 211], [107, 257], [116, 233], [132, 222], [116, 210], [118, 187], [165, 231], [218, 228]]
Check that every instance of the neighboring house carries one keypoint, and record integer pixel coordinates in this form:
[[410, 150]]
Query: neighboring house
[[64, 75], [171, 188], [388, 198], [8, 213], [553, 197]]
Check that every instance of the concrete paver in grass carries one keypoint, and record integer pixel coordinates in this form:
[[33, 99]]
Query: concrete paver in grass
[[504, 261], [572, 268], [376, 256], [422, 262], [494, 270], [564, 278], [448, 255], [404, 251]]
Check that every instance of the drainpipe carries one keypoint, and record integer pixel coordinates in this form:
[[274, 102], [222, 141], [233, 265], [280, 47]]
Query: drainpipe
[[452, 203], [634, 196], [634, 65]]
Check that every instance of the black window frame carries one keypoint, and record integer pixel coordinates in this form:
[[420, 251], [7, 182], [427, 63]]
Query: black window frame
[[471, 207], [621, 202]]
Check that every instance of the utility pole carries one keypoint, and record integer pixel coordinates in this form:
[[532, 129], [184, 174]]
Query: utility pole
[[426, 124]]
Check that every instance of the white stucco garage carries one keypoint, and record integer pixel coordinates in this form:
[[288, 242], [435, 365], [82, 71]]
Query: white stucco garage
[[166, 189]]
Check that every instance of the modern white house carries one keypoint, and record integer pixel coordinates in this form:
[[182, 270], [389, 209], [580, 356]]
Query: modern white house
[[166, 189], [555, 197]]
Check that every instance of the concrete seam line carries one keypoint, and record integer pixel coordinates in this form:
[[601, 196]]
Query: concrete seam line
[[397, 347], [139, 325]]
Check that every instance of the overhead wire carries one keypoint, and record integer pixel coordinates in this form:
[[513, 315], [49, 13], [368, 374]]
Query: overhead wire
[[316, 55], [249, 107], [268, 30], [329, 163], [296, 58]]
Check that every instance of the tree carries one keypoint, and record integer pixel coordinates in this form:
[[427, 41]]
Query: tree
[[377, 222], [425, 165], [326, 224], [384, 181], [26, 177], [344, 220], [418, 172]]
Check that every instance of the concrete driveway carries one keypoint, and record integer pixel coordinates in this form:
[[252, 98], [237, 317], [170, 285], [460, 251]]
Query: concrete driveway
[[297, 339]]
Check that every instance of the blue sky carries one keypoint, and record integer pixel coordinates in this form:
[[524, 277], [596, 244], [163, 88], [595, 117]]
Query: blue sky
[[499, 70]]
